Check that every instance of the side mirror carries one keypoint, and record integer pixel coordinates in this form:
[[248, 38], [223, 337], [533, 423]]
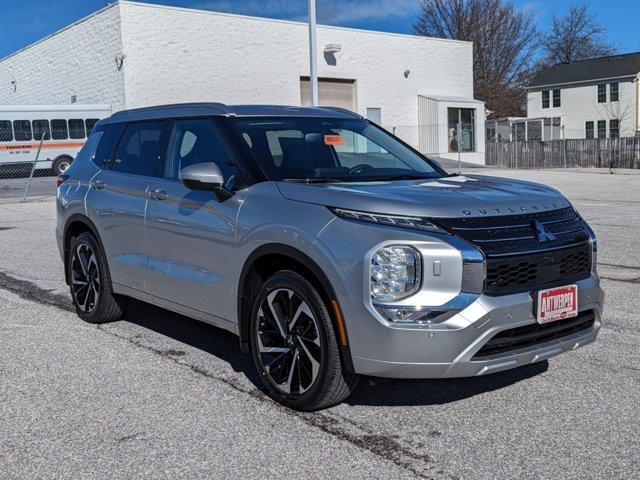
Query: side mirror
[[205, 176]]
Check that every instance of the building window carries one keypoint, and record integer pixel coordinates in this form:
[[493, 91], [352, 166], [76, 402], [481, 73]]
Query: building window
[[588, 130], [556, 98], [602, 129], [614, 128], [462, 122], [545, 99], [602, 93], [614, 92]]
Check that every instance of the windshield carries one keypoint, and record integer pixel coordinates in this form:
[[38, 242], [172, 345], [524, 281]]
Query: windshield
[[325, 149]]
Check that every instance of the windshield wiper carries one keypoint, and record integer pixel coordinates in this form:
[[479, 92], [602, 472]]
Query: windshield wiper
[[313, 180], [396, 176]]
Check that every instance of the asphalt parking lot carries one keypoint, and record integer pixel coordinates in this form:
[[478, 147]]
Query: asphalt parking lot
[[158, 395]]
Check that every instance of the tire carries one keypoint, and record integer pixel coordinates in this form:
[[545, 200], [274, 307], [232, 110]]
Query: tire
[[61, 164], [297, 357], [90, 283]]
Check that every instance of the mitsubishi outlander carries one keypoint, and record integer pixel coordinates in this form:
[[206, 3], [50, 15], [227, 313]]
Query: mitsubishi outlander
[[330, 247]]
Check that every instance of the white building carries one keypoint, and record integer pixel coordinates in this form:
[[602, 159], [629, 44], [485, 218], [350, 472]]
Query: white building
[[132, 55], [594, 98]]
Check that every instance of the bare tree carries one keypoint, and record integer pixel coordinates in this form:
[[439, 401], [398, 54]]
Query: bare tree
[[504, 41], [575, 36]]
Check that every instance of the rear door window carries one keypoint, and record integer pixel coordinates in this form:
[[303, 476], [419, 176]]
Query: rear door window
[[59, 129], [140, 150], [6, 132], [22, 130], [76, 128]]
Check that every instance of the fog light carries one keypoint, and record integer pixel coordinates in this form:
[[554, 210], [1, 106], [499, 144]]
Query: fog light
[[416, 315], [395, 273]]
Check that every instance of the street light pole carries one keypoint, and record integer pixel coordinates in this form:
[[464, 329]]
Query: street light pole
[[312, 53]]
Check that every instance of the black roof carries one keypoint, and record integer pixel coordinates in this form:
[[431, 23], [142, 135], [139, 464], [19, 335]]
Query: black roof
[[220, 109], [613, 66]]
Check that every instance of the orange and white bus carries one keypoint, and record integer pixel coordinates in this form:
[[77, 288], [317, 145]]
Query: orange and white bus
[[65, 128]]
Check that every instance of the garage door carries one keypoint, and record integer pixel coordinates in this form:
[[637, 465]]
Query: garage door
[[331, 93]]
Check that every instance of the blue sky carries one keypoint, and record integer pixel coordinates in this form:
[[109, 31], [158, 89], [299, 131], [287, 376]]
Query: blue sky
[[24, 21]]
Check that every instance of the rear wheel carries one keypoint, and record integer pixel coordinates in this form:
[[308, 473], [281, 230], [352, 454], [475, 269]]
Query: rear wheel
[[90, 284], [294, 346], [61, 164]]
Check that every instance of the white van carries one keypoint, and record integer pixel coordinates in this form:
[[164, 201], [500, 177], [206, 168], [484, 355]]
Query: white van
[[64, 129]]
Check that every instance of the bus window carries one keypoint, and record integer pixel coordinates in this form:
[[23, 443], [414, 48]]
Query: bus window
[[90, 123], [6, 132], [59, 129], [76, 128], [41, 129], [22, 130]]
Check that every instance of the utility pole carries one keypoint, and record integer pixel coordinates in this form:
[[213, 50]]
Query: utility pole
[[312, 53]]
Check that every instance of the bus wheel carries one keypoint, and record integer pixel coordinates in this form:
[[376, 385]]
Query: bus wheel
[[60, 164]]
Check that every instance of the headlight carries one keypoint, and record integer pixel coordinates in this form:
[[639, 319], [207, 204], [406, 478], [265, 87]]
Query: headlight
[[395, 273], [415, 223]]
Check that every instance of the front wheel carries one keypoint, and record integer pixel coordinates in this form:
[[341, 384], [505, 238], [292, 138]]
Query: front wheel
[[294, 346]]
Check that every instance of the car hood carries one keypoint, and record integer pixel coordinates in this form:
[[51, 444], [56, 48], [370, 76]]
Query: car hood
[[464, 195]]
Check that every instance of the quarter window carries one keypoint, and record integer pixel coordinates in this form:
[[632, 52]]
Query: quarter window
[[59, 129], [602, 93], [588, 130], [6, 132], [199, 141], [614, 128], [41, 130], [556, 98], [545, 99], [76, 128], [139, 150], [614, 92], [22, 130], [602, 129]]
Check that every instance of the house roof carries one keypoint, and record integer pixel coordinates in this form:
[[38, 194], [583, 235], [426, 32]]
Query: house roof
[[601, 68]]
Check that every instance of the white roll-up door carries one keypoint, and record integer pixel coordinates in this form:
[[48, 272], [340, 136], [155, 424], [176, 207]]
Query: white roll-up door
[[331, 93]]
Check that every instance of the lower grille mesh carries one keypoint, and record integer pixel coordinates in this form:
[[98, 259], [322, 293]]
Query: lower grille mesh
[[535, 334]]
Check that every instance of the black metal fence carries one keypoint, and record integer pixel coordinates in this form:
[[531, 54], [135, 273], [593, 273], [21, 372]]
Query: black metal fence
[[570, 153]]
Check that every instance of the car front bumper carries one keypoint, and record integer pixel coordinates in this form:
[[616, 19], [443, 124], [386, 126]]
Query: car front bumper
[[448, 350]]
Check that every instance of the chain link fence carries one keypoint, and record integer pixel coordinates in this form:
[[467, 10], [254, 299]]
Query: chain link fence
[[25, 172], [569, 153]]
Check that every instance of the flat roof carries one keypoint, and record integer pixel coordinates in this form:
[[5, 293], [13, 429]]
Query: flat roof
[[220, 109], [70, 107], [212, 12]]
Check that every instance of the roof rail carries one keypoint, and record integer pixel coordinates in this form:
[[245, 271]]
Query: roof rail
[[342, 110], [215, 105]]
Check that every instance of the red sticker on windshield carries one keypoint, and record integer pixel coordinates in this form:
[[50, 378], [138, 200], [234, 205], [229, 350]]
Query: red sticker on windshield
[[333, 139]]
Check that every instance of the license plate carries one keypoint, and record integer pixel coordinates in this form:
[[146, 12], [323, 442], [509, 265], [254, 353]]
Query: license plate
[[557, 303]]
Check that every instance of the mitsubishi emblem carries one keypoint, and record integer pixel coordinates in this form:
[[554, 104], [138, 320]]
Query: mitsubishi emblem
[[542, 234]]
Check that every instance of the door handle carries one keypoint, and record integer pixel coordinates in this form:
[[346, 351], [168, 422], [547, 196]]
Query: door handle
[[99, 185], [158, 194]]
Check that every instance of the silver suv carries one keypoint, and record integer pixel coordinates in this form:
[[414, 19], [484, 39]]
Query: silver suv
[[329, 246]]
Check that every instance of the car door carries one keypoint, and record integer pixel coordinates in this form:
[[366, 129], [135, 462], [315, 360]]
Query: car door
[[118, 198], [191, 233]]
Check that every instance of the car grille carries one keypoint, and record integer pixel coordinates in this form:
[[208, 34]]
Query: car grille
[[535, 334], [517, 261]]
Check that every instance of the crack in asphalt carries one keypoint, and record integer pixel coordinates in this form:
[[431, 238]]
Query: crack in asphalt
[[635, 280], [388, 447], [615, 265]]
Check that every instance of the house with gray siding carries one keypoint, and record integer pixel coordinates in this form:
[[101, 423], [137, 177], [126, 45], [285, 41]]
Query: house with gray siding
[[593, 98]]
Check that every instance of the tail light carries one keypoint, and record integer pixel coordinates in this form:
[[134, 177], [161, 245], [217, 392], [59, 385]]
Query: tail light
[[61, 179]]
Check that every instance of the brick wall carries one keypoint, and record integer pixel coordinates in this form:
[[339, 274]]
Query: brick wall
[[79, 60]]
